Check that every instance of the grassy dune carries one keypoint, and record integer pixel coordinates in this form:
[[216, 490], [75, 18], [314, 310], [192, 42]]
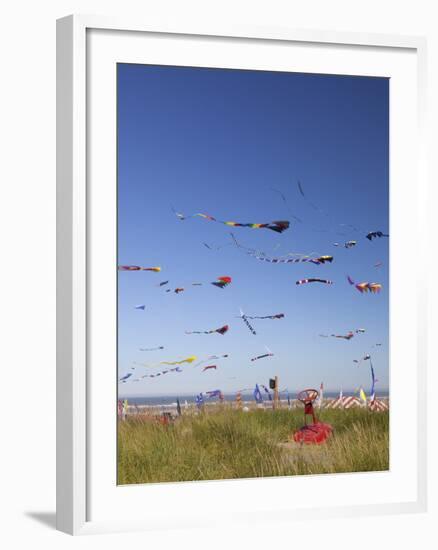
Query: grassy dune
[[231, 444]]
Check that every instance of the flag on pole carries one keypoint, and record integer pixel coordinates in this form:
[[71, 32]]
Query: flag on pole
[[199, 400], [257, 394], [363, 396]]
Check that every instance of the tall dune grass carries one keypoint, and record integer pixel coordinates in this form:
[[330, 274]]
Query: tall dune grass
[[231, 444]]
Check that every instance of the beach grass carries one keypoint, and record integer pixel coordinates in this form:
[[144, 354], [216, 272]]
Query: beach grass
[[229, 444]]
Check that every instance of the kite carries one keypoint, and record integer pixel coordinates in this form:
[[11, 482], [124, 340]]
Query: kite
[[359, 331], [348, 336], [151, 349], [186, 360], [215, 247], [221, 330], [276, 316], [138, 268], [374, 234], [313, 280], [176, 369], [209, 367], [211, 358], [124, 378], [163, 283], [291, 258], [288, 260], [143, 307], [268, 354], [222, 282], [277, 226], [348, 244], [245, 320], [366, 357], [374, 288]]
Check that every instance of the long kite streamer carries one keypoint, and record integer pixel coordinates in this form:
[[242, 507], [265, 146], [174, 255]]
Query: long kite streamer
[[138, 268], [277, 226], [163, 372], [190, 359], [292, 258], [247, 323], [348, 244], [268, 354], [221, 330], [276, 316], [314, 280], [365, 286], [347, 336], [211, 358]]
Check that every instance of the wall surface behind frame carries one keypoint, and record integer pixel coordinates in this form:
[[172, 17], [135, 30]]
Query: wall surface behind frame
[[27, 104]]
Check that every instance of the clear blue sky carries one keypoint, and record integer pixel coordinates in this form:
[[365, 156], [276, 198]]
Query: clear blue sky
[[218, 141]]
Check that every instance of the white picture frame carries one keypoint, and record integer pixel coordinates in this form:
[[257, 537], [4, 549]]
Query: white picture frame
[[75, 399]]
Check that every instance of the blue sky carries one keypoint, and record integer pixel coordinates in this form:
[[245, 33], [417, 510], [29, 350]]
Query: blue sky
[[218, 141]]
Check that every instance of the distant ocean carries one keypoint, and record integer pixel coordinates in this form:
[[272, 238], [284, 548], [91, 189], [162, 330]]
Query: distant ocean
[[246, 396]]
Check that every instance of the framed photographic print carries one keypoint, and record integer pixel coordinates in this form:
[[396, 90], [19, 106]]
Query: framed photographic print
[[234, 300]]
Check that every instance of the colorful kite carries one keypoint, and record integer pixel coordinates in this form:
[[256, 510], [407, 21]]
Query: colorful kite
[[374, 288], [209, 367], [277, 226], [190, 359], [222, 282], [221, 330], [138, 268], [313, 280], [374, 234]]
